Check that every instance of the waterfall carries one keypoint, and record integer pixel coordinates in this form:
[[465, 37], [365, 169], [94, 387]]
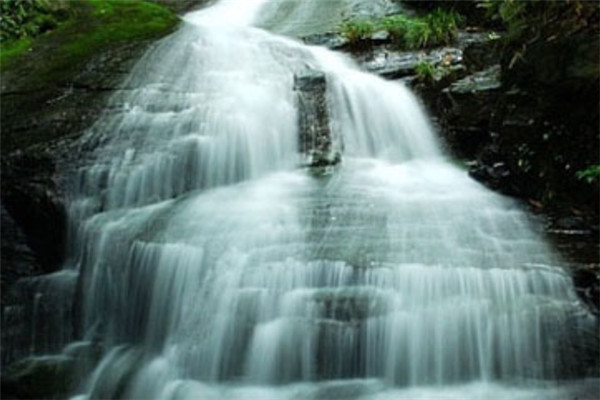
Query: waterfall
[[212, 265]]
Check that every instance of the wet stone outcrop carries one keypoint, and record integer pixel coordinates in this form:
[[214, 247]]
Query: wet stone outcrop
[[50, 376], [469, 104], [41, 123], [316, 139], [43, 116]]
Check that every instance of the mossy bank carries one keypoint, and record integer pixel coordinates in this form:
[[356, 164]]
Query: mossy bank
[[55, 83]]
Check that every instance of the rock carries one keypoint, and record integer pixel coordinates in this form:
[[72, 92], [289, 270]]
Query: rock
[[497, 177], [479, 82], [48, 377], [571, 223], [466, 109], [380, 37], [587, 284], [392, 64], [38, 315], [480, 50], [42, 116], [15, 253], [373, 9], [317, 143], [333, 41], [34, 113], [116, 372], [31, 197]]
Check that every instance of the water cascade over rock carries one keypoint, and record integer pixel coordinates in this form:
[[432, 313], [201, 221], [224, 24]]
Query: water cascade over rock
[[213, 264]]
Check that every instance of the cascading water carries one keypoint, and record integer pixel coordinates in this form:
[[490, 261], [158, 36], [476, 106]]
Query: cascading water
[[211, 266]]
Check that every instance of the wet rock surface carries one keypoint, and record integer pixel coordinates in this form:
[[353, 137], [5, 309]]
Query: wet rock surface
[[316, 139], [40, 126], [49, 377], [42, 119], [15, 252], [395, 65]]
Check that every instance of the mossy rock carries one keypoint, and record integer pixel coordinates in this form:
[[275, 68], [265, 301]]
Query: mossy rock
[[93, 25], [56, 85]]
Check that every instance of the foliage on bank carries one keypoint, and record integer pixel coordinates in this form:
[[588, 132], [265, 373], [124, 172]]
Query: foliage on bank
[[436, 28], [76, 30], [30, 18]]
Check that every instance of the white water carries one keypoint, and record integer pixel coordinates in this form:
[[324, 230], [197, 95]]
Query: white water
[[213, 267]]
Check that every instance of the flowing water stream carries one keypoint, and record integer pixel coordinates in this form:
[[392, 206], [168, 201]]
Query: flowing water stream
[[212, 266]]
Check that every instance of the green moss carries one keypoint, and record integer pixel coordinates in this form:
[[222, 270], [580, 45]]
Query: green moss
[[93, 25], [13, 49], [118, 22]]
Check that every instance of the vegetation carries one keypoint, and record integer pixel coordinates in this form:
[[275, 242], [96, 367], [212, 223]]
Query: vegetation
[[590, 174], [356, 31], [436, 28], [425, 71], [30, 18], [533, 21], [83, 27]]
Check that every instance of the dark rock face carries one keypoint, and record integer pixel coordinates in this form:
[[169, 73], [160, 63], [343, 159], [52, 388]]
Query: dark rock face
[[39, 378], [38, 113], [41, 123], [50, 377], [316, 138], [468, 106], [43, 116], [36, 307], [31, 198], [15, 252]]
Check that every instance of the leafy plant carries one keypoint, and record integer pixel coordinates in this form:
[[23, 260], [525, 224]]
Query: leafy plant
[[30, 18], [590, 174]]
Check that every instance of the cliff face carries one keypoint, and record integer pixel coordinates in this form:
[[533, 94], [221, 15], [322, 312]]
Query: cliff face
[[51, 93]]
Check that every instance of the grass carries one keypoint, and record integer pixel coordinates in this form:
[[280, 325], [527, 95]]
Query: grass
[[92, 25], [425, 71], [436, 28], [13, 49], [358, 30]]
